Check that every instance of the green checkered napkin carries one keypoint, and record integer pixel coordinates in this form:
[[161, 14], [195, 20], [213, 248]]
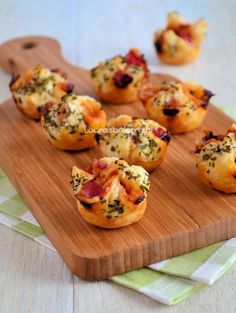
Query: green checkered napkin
[[169, 281]]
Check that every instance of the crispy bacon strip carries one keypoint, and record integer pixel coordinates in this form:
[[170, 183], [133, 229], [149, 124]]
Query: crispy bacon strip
[[209, 136], [184, 31], [90, 189], [122, 79], [163, 135]]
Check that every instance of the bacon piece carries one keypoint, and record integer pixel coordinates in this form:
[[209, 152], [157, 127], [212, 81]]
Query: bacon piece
[[184, 31], [133, 58], [90, 168], [163, 135], [68, 88], [209, 136], [206, 98], [122, 79], [90, 189], [158, 132], [101, 165]]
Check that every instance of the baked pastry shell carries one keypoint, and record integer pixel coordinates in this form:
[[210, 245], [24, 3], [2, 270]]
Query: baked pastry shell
[[178, 124], [75, 141], [95, 215], [114, 94]]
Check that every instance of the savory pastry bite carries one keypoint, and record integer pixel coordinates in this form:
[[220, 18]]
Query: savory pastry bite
[[138, 141], [178, 106], [111, 193], [71, 123], [118, 79], [180, 41], [37, 87], [217, 160]]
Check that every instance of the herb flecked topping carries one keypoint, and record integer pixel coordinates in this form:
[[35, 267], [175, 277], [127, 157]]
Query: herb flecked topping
[[91, 189]]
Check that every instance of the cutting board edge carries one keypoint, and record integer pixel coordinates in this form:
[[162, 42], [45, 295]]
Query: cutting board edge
[[83, 267]]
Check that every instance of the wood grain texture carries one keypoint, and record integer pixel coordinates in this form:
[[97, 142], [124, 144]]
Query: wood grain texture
[[182, 215]]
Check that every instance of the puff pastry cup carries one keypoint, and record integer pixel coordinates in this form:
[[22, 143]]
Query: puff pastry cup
[[179, 42], [118, 79], [111, 193], [138, 141], [216, 162], [179, 106], [70, 124], [37, 87]]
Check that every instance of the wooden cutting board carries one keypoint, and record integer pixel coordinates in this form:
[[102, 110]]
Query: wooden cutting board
[[182, 214]]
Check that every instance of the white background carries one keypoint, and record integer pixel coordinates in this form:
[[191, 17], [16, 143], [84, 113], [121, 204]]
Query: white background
[[33, 279]]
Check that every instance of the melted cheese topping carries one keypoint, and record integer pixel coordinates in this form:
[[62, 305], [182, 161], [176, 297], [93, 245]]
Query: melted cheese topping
[[216, 160], [67, 114], [173, 95], [103, 74], [133, 173], [219, 153], [39, 89], [134, 138]]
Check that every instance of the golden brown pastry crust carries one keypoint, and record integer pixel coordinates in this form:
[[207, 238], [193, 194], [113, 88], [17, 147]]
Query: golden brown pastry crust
[[71, 124], [118, 79], [138, 141], [217, 160], [180, 42], [111, 193], [37, 87], [180, 107]]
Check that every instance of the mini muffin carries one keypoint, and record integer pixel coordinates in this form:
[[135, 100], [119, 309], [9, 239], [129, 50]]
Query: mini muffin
[[111, 193], [138, 141], [180, 42], [217, 160], [117, 80], [71, 123], [180, 107], [37, 87]]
